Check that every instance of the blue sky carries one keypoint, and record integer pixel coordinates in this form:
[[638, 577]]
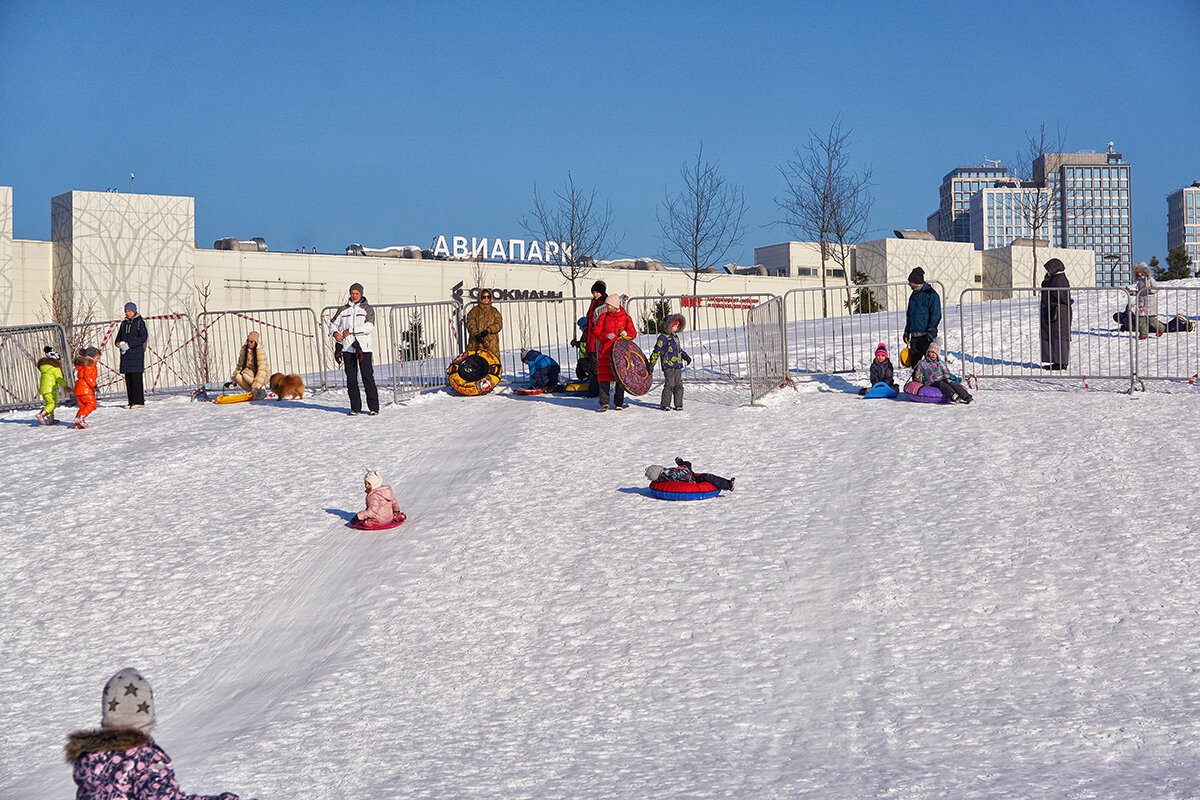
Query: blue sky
[[319, 124]]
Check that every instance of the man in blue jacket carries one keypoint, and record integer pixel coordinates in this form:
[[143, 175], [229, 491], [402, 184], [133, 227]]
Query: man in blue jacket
[[924, 314]]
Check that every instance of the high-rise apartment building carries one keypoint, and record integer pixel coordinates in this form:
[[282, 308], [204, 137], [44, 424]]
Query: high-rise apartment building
[[1183, 220], [953, 217], [1091, 208], [1003, 213]]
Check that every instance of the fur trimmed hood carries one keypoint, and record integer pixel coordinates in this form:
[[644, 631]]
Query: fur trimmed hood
[[51, 362], [102, 740]]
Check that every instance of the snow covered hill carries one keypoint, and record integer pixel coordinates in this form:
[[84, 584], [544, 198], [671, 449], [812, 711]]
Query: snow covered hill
[[990, 601]]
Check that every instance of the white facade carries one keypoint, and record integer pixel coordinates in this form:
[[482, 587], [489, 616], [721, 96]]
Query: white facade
[[109, 248], [801, 260], [1183, 221]]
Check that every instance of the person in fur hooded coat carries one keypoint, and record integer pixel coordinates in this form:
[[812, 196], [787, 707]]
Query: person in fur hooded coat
[[382, 508], [119, 760], [50, 379], [673, 358]]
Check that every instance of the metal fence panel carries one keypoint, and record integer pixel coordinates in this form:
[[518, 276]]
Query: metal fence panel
[[288, 337], [834, 329], [20, 348], [1171, 349], [171, 359], [545, 325], [715, 336], [425, 338], [1001, 334], [766, 331]]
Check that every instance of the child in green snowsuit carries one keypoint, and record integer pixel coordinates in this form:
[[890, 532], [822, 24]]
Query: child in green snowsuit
[[51, 378]]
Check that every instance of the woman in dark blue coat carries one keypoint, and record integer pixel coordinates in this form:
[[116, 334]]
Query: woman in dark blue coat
[[1056, 316], [131, 339]]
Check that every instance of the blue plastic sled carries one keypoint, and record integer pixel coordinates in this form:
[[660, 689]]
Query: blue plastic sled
[[880, 390]]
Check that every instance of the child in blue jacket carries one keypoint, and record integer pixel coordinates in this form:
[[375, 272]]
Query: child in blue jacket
[[543, 370], [673, 359]]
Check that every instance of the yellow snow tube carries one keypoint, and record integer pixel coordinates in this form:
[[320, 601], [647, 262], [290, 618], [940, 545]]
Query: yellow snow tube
[[474, 373]]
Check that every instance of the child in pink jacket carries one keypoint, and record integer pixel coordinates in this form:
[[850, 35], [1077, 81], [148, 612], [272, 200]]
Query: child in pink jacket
[[382, 507]]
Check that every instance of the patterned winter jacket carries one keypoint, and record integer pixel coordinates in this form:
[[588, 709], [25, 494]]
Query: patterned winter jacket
[[125, 764], [681, 474], [929, 371], [51, 377], [882, 372], [672, 354], [381, 506]]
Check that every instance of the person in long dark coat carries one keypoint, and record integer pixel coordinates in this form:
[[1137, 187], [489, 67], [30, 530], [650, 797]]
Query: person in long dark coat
[[131, 339], [1055, 316]]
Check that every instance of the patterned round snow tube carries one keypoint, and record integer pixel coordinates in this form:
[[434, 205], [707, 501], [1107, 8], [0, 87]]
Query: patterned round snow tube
[[682, 490], [474, 373]]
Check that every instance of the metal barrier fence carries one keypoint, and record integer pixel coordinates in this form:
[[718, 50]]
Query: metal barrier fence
[[834, 329], [547, 326], [715, 336], [171, 364], [1001, 335], [20, 348], [288, 337], [1171, 350], [425, 338], [766, 332]]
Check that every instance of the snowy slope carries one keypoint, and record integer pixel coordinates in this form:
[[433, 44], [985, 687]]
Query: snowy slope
[[907, 601]]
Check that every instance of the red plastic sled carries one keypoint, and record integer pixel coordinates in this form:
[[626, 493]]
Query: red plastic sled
[[368, 526], [525, 391], [683, 490]]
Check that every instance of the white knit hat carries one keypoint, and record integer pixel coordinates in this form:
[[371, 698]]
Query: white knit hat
[[373, 480], [128, 701], [654, 472]]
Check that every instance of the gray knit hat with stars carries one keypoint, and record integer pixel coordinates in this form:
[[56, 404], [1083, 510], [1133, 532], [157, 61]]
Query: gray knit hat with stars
[[128, 701]]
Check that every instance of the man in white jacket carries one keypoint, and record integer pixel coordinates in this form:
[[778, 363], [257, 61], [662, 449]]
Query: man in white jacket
[[351, 328]]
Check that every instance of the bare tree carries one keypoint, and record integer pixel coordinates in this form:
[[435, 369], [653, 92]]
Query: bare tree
[[826, 200], [574, 220], [1036, 201], [703, 221]]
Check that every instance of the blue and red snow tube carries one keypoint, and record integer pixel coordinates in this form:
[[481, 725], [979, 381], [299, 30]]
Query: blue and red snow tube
[[683, 490]]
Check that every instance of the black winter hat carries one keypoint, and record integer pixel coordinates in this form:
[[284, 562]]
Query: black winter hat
[[358, 286], [600, 286], [916, 276]]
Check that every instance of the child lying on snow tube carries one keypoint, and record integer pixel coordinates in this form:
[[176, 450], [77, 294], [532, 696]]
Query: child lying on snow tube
[[682, 473], [382, 508]]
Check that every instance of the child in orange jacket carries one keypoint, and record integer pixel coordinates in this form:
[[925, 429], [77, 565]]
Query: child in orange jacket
[[86, 378]]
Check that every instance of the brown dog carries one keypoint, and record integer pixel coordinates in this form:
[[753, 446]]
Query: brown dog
[[287, 386]]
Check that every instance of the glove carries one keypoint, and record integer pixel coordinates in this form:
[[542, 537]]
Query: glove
[[574, 343], [906, 338], [687, 359], [612, 336], [123, 347]]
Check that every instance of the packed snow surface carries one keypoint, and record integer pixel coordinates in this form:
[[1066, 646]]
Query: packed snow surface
[[899, 600]]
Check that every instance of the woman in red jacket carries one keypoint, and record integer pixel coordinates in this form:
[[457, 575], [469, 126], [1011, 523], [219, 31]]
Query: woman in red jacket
[[614, 322]]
